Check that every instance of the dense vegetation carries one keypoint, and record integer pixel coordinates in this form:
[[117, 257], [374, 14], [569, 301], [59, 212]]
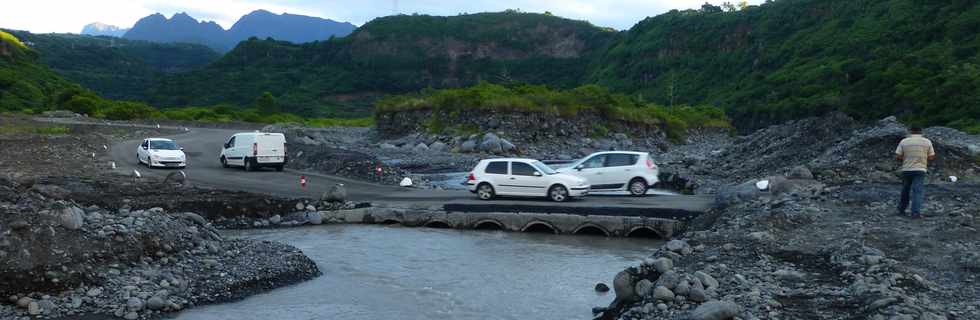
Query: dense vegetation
[[28, 86], [113, 67], [397, 54], [566, 103], [792, 58]]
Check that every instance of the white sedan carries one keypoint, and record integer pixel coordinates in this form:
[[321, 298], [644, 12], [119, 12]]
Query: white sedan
[[159, 152], [525, 178]]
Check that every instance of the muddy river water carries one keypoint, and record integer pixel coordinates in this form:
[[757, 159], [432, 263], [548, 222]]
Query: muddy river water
[[392, 272]]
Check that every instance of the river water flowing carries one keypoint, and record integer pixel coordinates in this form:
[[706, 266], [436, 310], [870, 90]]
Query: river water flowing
[[392, 272]]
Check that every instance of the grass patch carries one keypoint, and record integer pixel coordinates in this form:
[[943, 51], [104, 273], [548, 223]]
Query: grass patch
[[26, 129]]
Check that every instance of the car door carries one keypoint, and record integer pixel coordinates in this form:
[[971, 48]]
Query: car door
[[527, 180], [592, 169], [618, 169], [231, 154], [496, 173], [141, 152]]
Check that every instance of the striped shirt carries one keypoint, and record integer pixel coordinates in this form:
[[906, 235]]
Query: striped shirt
[[915, 151]]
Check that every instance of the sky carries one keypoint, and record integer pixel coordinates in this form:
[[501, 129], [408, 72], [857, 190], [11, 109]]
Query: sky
[[42, 16]]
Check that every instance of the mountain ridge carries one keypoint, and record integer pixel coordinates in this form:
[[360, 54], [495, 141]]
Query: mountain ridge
[[181, 27], [103, 29]]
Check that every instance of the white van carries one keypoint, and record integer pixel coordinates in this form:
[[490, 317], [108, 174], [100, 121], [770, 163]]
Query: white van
[[253, 150]]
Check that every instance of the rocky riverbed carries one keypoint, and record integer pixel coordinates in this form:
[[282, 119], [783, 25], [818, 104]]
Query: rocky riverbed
[[826, 244]]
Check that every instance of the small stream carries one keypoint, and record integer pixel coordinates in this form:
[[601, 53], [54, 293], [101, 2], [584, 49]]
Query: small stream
[[393, 272]]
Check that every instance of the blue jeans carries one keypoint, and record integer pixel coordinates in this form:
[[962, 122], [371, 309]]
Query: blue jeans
[[912, 189]]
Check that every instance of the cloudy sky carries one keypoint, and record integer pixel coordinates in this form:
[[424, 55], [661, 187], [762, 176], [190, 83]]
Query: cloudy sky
[[70, 15]]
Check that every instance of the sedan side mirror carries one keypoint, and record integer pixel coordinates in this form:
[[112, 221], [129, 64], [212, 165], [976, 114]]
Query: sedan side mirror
[[537, 174], [181, 148], [579, 167]]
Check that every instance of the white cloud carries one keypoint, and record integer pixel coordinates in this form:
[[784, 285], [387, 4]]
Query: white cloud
[[71, 15]]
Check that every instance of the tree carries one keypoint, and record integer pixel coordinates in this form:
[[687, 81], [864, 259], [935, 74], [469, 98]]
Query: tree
[[710, 8], [728, 6], [266, 104], [742, 5]]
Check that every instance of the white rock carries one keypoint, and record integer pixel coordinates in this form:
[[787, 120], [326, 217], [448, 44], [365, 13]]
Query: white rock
[[406, 182], [762, 185], [314, 217]]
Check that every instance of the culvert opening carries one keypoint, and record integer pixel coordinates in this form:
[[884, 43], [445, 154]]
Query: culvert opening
[[644, 233], [390, 222], [437, 225], [488, 225], [591, 231], [540, 228]]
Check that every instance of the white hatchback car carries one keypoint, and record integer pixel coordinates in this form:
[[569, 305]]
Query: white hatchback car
[[616, 171], [160, 152], [523, 177]]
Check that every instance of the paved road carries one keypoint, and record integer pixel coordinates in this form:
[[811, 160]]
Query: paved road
[[203, 145]]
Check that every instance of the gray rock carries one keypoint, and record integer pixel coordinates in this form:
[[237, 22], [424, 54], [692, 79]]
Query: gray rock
[[601, 287], [491, 144], [421, 147], [644, 288], [661, 293], [300, 205], [387, 146], [276, 219], [314, 217], [715, 310], [624, 287], [19, 224], [669, 279], [134, 304], [438, 146], [506, 146], [337, 193], [94, 292], [156, 303], [677, 245], [697, 294], [663, 264], [131, 316], [33, 308], [682, 288], [23, 302], [706, 279], [310, 207], [468, 146], [72, 218], [800, 173], [196, 218], [789, 275]]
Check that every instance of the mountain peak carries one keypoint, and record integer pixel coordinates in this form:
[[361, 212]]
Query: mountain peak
[[103, 29]]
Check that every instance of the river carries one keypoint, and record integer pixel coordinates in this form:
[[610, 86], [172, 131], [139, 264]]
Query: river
[[393, 272]]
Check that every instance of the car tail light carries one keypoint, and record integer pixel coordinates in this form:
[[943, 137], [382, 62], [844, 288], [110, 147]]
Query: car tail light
[[284, 153], [650, 164], [255, 149], [471, 177]]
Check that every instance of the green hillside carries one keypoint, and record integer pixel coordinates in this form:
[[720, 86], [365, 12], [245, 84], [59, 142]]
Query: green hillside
[[25, 84], [394, 55], [791, 58], [113, 67]]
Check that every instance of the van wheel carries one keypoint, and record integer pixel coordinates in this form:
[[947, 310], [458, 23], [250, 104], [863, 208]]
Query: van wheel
[[138, 161], [248, 165], [638, 187], [224, 162], [485, 191], [558, 193]]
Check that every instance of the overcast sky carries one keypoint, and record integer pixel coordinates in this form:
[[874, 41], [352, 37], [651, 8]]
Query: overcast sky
[[71, 15]]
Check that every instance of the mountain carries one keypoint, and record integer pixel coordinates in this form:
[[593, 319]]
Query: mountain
[[102, 29], [115, 68], [179, 28], [394, 54], [287, 27], [789, 59], [263, 24]]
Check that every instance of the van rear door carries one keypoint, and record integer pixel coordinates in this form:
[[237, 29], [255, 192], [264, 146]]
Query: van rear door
[[270, 147]]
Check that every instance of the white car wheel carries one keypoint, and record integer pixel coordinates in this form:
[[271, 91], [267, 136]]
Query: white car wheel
[[558, 193], [638, 187]]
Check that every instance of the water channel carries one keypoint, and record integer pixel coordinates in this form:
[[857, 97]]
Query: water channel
[[393, 272]]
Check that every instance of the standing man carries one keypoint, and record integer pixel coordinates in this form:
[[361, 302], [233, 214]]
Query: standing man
[[914, 152]]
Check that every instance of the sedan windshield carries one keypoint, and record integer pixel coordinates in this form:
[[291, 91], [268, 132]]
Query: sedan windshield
[[543, 167], [163, 145]]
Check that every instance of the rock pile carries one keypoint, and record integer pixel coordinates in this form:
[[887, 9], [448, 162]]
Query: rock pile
[[61, 259]]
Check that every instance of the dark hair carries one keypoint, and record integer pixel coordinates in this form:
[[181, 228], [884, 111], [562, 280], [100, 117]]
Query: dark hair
[[916, 130]]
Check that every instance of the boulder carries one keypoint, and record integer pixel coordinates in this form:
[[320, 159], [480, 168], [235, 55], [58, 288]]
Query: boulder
[[156, 303], [677, 245], [661, 293], [438, 146], [406, 182], [506, 146], [715, 310], [601, 287], [491, 144], [663, 264], [707, 280], [421, 147], [669, 279], [644, 288], [800, 173], [697, 294], [337, 193], [313, 217], [468, 146], [387, 146], [276, 219], [72, 218], [624, 287]]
